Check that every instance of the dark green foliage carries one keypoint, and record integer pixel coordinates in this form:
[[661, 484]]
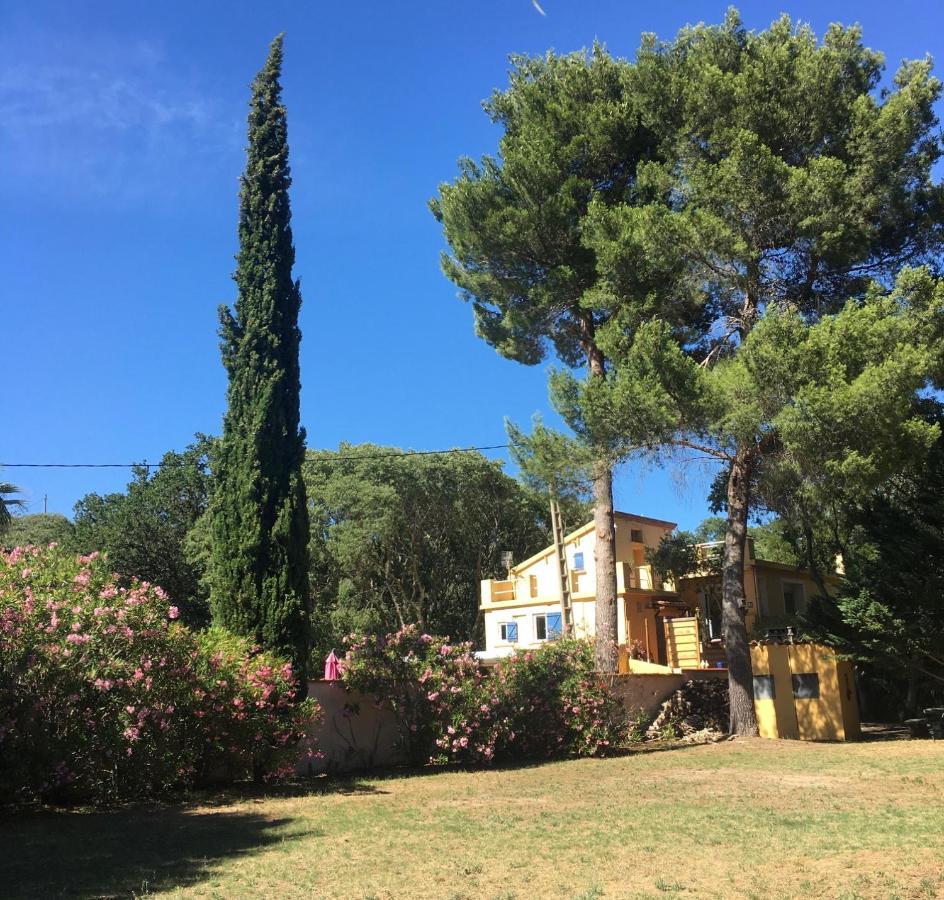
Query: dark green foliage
[[7, 503], [38, 530], [259, 518], [890, 611], [400, 540], [145, 530]]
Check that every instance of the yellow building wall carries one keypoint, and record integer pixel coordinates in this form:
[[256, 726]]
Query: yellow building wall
[[642, 623], [832, 716], [776, 718], [769, 581]]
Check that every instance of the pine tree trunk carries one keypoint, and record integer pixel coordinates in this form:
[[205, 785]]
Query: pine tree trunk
[[607, 654], [605, 612], [740, 674]]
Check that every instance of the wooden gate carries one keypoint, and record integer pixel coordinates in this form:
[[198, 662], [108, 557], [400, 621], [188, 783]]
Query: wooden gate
[[682, 643]]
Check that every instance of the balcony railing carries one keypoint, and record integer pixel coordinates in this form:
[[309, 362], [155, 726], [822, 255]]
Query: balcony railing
[[498, 591]]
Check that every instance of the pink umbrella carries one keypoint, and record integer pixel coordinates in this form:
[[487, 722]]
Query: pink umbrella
[[332, 670]]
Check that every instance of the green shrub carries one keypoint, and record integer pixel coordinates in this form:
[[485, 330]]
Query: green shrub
[[104, 695]]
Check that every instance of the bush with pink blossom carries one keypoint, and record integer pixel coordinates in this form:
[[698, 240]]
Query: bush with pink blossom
[[104, 695], [536, 704]]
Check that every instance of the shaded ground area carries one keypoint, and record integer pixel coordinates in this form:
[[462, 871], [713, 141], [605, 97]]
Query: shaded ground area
[[751, 819]]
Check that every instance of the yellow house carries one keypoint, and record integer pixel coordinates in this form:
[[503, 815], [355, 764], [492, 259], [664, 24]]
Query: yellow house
[[658, 621], [524, 610]]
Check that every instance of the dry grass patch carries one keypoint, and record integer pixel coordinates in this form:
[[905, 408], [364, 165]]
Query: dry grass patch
[[738, 819]]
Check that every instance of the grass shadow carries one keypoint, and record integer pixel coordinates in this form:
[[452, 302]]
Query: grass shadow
[[334, 783], [126, 851]]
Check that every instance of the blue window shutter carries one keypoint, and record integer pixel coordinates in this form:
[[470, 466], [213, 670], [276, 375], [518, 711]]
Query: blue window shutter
[[578, 560], [553, 626], [511, 630]]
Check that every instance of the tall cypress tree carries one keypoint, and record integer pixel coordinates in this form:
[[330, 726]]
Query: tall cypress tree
[[259, 516]]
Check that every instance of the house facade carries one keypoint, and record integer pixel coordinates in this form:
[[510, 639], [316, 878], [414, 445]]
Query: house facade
[[659, 622]]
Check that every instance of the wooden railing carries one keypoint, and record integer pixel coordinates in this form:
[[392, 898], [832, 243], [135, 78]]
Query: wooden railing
[[498, 591]]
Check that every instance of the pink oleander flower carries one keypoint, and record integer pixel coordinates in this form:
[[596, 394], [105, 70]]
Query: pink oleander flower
[[173, 613]]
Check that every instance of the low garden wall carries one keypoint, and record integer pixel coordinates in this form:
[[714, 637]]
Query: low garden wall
[[354, 734], [647, 692]]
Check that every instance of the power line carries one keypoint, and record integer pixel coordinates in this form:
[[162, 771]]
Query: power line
[[324, 456]]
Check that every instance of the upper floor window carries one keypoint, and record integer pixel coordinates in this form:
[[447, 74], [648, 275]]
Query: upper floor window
[[578, 561], [635, 535], [547, 626], [794, 600], [508, 631], [763, 597], [533, 585]]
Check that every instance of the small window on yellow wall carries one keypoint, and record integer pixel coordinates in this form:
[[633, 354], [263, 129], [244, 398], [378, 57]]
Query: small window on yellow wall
[[806, 686], [793, 600], [533, 585], [764, 687], [635, 535]]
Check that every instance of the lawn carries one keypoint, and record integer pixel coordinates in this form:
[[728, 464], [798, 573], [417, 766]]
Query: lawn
[[737, 819]]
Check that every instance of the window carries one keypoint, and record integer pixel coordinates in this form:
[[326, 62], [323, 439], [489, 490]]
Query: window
[[764, 687], [547, 626], [806, 687], [635, 535], [533, 585], [764, 599], [509, 631], [578, 561], [793, 599]]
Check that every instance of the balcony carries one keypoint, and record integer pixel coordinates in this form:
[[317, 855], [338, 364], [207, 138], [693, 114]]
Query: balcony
[[640, 578], [497, 591]]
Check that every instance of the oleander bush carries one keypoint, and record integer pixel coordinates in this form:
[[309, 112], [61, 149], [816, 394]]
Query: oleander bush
[[536, 704], [104, 695]]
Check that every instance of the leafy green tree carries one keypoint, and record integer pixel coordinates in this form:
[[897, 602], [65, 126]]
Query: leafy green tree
[[794, 181], [403, 539], [38, 530], [259, 517], [145, 530], [573, 139]]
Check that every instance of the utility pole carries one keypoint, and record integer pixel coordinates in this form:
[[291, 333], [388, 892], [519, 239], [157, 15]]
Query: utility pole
[[45, 503]]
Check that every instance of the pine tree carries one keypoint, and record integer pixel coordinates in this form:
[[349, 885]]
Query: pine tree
[[259, 517]]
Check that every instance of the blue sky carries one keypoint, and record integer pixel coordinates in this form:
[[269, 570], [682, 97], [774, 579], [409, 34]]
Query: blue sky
[[121, 141]]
